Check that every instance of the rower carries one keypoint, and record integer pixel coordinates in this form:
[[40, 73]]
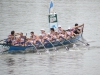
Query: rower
[[69, 33], [52, 31], [22, 38], [52, 34], [17, 42], [62, 35], [59, 29], [10, 38], [34, 37], [43, 33], [12, 35], [40, 40], [49, 37], [77, 28], [55, 36]]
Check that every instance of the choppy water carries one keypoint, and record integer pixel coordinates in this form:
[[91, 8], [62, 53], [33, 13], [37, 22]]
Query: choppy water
[[32, 15]]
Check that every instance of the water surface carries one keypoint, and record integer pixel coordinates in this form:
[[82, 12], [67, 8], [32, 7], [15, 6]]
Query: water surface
[[32, 15]]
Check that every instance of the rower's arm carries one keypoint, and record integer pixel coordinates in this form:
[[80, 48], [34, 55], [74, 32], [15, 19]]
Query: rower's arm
[[16, 34], [42, 41], [45, 35], [66, 34], [57, 36], [78, 26], [81, 25], [37, 37]]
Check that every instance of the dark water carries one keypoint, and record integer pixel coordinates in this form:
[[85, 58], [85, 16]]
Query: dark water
[[32, 15]]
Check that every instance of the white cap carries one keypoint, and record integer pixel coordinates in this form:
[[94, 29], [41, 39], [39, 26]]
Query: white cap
[[43, 29], [69, 28], [48, 33], [40, 35], [59, 25]]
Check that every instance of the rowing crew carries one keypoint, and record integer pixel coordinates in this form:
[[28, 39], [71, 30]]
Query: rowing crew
[[18, 39]]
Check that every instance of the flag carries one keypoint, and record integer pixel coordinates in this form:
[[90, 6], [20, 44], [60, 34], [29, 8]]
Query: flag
[[51, 6]]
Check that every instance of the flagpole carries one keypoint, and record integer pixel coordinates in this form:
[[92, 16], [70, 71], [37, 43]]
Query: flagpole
[[52, 17], [50, 6]]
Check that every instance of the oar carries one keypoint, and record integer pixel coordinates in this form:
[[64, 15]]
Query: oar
[[52, 45], [83, 42], [82, 30], [74, 45], [82, 37], [31, 44], [35, 48], [1, 40], [63, 45], [43, 46]]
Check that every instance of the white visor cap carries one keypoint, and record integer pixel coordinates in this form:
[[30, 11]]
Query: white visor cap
[[43, 29], [69, 28], [59, 25]]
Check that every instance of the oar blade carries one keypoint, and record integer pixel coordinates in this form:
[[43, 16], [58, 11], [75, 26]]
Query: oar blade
[[87, 44], [67, 48]]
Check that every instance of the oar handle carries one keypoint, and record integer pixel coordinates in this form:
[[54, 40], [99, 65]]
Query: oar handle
[[82, 30]]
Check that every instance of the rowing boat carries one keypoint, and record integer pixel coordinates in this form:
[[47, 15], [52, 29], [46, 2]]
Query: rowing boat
[[53, 23], [48, 45]]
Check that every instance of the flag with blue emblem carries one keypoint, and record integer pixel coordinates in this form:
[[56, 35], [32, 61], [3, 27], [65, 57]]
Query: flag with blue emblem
[[51, 7], [53, 22]]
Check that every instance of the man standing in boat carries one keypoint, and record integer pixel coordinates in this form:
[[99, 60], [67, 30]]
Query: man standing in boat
[[77, 29]]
